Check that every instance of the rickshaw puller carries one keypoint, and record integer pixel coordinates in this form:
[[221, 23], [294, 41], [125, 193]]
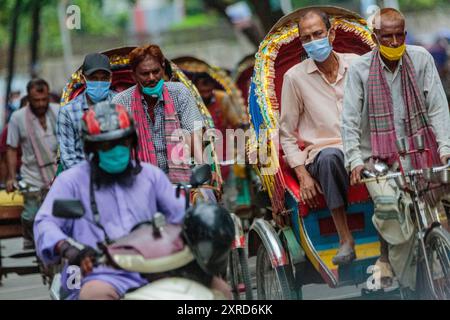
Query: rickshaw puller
[[161, 110], [393, 92], [97, 76]]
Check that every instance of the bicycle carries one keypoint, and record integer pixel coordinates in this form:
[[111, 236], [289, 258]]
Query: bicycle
[[433, 258]]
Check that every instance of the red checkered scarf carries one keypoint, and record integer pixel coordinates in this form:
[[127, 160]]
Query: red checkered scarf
[[45, 158], [178, 170], [381, 117]]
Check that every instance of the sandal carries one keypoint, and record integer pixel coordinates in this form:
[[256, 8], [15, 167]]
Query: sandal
[[386, 272]]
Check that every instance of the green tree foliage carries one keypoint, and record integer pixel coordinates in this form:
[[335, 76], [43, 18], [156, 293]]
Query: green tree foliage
[[416, 5], [405, 5], [92, 22], [194, 7]]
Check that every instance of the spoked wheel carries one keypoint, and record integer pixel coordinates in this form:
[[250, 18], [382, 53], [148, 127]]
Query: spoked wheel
[[241, 284], [438, 256], [272, 283]]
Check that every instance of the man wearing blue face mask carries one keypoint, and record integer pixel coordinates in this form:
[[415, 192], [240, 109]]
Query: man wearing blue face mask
[[311, 107], [96, 75]]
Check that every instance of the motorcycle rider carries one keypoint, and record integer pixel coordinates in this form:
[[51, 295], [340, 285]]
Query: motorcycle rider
[[117, 193]]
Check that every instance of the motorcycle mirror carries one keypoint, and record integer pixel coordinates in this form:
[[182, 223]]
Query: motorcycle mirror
[[68, 209], [200, 175]]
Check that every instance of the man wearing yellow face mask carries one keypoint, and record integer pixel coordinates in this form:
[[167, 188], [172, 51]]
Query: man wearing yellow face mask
[[393, 92]]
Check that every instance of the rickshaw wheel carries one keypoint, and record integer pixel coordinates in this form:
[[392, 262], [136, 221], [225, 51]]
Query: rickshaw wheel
[[272, 283], [438, 255], [239, 274]]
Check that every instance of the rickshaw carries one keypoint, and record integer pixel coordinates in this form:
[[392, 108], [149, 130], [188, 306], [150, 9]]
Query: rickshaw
[[237, 188], [295, 247], [242, 78], [243, 74], [122, 79], [192, 66]]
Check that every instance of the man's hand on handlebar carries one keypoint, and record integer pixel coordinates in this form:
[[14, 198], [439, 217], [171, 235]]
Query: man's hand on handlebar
[[355, 177], [84, 258]]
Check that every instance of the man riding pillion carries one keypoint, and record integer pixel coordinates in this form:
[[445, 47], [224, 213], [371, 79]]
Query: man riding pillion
[[393, 92], [33, 129], [96, 75], [311, 106], [162, 110], [116, 192]]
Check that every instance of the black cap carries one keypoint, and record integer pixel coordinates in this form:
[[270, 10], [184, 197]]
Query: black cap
[[94, 62]]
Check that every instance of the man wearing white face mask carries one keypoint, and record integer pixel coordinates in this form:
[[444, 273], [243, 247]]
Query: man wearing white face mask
[[96, 74], [311, 107]]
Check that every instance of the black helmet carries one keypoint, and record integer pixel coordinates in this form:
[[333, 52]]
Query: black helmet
[[208, 229], [106, 121]]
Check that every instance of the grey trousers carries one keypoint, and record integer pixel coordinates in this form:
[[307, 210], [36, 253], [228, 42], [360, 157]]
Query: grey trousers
[[328, 169]]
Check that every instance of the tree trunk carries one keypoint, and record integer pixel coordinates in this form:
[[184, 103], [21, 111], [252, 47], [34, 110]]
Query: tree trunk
[[12, 47], [35, 35]]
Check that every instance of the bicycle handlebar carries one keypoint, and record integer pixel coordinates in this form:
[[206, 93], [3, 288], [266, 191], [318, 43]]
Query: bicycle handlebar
[[374, 177], [370, 176]]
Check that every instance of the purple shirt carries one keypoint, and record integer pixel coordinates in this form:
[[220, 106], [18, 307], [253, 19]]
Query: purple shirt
[[120, 209]]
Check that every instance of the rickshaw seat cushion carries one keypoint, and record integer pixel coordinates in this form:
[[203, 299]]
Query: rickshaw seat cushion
[[356, 193], [122, 80]]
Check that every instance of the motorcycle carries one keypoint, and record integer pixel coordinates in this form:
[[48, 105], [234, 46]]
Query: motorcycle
[[154, 249]]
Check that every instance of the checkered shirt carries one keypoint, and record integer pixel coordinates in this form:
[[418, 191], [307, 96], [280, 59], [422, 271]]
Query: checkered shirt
[[68, 130], [190, 117]]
